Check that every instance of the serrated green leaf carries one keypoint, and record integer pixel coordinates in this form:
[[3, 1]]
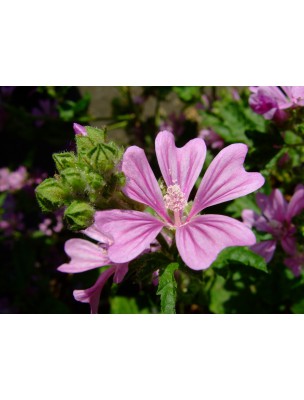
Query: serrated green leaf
[[167, 289], [241, 256]]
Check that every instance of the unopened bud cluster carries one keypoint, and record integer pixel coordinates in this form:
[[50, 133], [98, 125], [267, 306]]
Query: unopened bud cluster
[[87, 179]]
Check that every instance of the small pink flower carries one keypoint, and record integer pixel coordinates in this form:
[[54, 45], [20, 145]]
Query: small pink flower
[[199, 238], [85, 256], [12, 181], [271, 101], [211, 138], [275, 219], [79, 129], [295, 95]]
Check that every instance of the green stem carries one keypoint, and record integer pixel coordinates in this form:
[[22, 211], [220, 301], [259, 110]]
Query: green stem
[[163, 242]]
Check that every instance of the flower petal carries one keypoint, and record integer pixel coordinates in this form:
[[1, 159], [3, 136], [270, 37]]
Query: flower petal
[[180, 165], [296, 204], [120, 272], [226, 179], [132, 231], [202, 239], [274, 207], [252, 219], [265, 249], [295, 263], [92, 294], [289, 244], [84, 256], [141, 183], [94, 233]]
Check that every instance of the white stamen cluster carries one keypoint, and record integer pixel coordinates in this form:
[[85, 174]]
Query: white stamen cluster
[[175, 198]]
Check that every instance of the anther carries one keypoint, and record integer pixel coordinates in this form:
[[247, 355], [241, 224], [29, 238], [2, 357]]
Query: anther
[[175, 198]]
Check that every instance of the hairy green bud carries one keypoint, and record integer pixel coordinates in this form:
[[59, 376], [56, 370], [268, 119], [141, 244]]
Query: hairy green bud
[[64, 160], [74, 178], [50, 194], [79, 215], [95, 134], [101, 157]]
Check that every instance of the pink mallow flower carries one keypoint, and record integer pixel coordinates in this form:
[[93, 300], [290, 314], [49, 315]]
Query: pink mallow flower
[[275, 219], [272, 101], [199, 238], [85, 256]]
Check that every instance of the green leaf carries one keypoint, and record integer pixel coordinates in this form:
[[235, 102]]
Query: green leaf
[[240, 256], [188, 93], [298, 308], [237, 206], [125, 305], [231, 120], [167, 289]]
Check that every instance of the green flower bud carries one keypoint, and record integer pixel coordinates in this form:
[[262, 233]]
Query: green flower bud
[[101, 157], [95, 181], [84, 144], [120, 179], [64, 160], [74, 179], [79, 215], [95, 134], [50, 194]]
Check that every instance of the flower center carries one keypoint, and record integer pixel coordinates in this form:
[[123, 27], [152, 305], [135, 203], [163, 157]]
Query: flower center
[[174, 198]]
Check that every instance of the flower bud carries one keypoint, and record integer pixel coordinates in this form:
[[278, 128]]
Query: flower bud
[[64, 160], [50, 194], [79, 215], [74, 179]]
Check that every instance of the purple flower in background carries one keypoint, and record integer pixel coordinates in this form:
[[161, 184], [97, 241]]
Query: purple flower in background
[[7, 91], [79, 129], [295, 263], [275, 219], [174, 123], [269, 101], [46, 110], [199, 238], [295, 95], [85, 256], [272, 101], [12, 181], [48, 228], [211, 138]]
